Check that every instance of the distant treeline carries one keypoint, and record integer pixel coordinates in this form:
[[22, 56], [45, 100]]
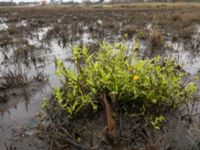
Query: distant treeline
[[7, 4], [188, 0], [159, 0], [136, 1], [88, 1], [173, 0]]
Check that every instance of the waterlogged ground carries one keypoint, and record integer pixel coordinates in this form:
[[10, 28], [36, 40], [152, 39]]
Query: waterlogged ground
[[30, 40], [20, 106]]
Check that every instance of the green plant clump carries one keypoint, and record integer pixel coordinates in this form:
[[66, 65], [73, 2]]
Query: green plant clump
[[129, 83]]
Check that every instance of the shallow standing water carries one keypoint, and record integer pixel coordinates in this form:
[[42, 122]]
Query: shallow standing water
[[18, 120]]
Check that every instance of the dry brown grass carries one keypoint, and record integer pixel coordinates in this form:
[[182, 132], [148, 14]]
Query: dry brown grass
[[156, 40], [130, 30]]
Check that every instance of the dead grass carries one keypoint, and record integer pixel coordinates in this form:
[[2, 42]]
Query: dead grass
[[157, 42], [187, 32], [130, 30], [15, 78], [68, 22]]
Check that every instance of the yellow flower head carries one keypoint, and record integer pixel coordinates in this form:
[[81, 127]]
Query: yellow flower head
[[130, 69], [196, 77], [126, 35], [135, 78]]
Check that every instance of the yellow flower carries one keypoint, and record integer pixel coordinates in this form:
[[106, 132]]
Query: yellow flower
[[126, 35], [196, 77], [135, 78], [130, 69]]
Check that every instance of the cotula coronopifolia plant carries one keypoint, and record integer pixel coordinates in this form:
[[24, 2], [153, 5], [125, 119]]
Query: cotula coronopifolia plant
[[120, 75]]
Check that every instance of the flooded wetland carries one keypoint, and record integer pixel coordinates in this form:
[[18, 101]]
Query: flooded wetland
[[37, 111]]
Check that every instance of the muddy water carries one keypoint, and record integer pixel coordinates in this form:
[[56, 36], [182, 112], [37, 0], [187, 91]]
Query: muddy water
[[20, 117], [20, 114], [188, 54]]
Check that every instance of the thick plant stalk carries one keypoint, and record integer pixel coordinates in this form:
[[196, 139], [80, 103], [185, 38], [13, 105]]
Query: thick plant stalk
[[110, 121]]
